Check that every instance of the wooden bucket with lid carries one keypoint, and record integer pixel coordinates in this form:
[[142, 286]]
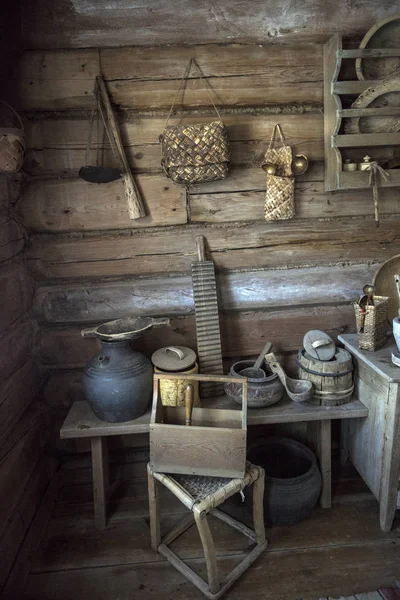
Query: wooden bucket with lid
[[176, 359], [332, 379]]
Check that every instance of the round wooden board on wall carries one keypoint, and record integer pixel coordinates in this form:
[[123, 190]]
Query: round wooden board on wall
[[385, 34], [385, 284]]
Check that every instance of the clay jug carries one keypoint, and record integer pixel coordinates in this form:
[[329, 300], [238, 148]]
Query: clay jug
[[118, 381]]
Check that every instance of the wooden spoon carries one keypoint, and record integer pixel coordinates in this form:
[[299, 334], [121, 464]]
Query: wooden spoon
[[298, 390]]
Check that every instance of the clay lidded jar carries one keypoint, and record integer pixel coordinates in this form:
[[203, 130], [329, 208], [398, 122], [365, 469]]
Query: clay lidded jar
[[118, 381]]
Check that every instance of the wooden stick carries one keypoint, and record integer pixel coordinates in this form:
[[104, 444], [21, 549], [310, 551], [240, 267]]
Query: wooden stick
[[258, 507], [100, 480], [189, 396], [201, 377], [324, 450], [209, 552], [234, 523], [154, 513], [201, 249], [180, 528], [176, 489], [185, 570], [135, 203]]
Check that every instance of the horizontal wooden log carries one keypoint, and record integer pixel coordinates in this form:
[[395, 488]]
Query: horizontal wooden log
[[102, 24], [243, 334], [17, 393], [16, 293], [12, 238], [60, 144], [311, 202], [95, 302], [16, 346], [275, 245], [74, 205], [237, 76], [59, 205], [67, 205]]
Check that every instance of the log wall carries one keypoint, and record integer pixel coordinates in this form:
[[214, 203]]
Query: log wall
[[93, 264], [25, 470]]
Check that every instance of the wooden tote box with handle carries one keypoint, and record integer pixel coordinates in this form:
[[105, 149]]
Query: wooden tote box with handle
[[214, 444]]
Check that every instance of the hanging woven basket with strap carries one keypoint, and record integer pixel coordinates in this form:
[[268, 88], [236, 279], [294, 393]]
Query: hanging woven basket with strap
[[195, 153], [279, 198], [281, 157], [12, 144]]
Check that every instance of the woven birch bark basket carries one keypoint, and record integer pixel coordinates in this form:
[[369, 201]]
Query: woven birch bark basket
[[279, 198], [195, 153], [372, 329]]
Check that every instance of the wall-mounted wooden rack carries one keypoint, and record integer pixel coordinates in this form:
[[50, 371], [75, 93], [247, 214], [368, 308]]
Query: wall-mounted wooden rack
[[335, 177]]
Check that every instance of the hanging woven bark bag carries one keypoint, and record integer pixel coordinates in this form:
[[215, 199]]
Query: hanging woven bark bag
[[279, 199], [195, 153], [12, 141]]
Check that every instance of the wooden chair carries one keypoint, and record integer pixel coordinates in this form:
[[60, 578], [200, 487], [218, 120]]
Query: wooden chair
[[201, 495]]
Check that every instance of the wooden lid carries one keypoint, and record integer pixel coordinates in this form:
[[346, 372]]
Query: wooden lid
[[174, 358], [319, 345]]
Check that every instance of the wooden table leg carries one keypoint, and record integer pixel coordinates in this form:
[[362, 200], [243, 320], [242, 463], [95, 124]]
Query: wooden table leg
[[154, 511], [100, 480], [325, 460]]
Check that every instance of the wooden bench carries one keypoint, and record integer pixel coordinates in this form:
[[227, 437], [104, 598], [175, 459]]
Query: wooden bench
[[82, 423]]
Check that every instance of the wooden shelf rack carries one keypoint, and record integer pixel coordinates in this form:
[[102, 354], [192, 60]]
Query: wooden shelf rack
[[334, 113]]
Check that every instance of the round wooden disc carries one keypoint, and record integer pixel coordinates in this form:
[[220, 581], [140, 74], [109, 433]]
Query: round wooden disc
[[385, 93], [319, 345], [382, 35], [174, 358], [385, 285]]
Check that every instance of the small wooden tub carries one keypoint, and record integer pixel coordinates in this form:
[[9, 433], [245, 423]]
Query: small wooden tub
[[332, 379]]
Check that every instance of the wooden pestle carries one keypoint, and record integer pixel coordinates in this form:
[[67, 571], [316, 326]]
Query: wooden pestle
[[189, 398]]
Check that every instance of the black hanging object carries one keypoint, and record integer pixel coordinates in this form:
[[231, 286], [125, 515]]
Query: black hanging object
[[99, 174]]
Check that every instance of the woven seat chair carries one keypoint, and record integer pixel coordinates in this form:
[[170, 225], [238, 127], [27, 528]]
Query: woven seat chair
[[201, 495]]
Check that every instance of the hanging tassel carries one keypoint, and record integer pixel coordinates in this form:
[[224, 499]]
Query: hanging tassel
[[375, 171]]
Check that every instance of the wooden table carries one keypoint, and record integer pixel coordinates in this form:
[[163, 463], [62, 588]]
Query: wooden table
[[82, 423], [373, 445]]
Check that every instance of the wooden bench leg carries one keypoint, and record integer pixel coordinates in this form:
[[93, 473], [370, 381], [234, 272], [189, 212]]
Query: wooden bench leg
[[100, 480], [325, 461], [209, 552], [154, 513], [258, 508]]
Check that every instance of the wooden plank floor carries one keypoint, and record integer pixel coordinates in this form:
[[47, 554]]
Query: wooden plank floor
[[337, 552]]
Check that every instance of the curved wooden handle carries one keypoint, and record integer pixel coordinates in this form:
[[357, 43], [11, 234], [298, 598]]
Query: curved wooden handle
[[174, 350], [89, 332], [189, 398], [319, 343], [201, 249], [276, 368], [161, 322]]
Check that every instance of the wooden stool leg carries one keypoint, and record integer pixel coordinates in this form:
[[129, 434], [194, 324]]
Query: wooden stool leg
[[258, 507], [325, 459], [209, 552], [100, 480], [154, 513]]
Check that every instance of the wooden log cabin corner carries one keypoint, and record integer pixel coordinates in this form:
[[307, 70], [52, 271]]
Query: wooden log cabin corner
[[70, 258]]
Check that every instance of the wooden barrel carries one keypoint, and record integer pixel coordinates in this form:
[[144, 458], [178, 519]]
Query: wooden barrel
[[332, 379]]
